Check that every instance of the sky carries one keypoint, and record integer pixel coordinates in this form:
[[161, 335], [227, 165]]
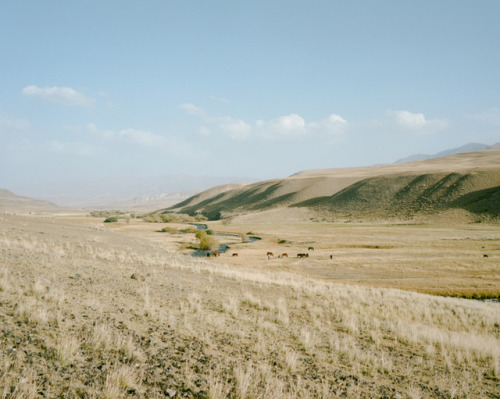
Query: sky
[[259, 89]]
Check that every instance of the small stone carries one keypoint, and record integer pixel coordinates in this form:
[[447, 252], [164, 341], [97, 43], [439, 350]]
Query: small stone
[[171, 393], [138, 277]]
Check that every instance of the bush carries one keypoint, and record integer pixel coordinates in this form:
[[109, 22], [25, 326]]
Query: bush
[[206, 242], [190, 230], [112, 219], [168, 230]]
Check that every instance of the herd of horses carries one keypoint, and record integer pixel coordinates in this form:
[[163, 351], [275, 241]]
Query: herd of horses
[[270, 254]]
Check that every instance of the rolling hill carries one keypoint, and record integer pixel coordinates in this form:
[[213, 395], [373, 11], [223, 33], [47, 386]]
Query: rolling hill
[[10, 202], [465, 184]]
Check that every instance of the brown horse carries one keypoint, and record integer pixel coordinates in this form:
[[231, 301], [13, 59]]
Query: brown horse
[[235, 254], [285, 255]]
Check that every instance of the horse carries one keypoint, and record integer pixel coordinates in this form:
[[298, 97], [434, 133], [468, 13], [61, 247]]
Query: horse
[[270, 254], [285, 255], [235, 254], [310, 249]]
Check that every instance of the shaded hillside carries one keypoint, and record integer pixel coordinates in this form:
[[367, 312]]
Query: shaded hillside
[[404, 196], [249, 198], [467, 181]]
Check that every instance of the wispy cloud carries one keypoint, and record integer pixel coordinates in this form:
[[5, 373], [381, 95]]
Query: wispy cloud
[[135, 136], [59, 95], [417, 122], [219, 99], [144, 139], [285, 126], [192, 109]]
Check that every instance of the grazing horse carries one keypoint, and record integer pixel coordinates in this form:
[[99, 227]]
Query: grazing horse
[[331, 256], [310, 249], [235, 254], [285, 255], [302, 255], [270, 254], [216, 254]]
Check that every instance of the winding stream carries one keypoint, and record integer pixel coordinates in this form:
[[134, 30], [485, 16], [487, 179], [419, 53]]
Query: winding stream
[[222, 247]]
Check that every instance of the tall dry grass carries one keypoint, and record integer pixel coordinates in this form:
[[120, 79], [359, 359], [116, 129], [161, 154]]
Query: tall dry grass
[[200, 328]]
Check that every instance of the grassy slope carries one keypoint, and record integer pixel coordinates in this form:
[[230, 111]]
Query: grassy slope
[[73, 323], [476, 191], [463, 181]]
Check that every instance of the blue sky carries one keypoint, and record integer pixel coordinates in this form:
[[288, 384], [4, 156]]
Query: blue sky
[[260, 89]]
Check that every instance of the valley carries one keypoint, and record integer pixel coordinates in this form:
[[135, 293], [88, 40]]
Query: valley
[[336, 302]]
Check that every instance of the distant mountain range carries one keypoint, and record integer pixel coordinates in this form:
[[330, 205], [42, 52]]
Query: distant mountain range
[[465, 148]]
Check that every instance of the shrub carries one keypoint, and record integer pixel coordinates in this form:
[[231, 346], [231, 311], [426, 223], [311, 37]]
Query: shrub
[[190, 230], [112, 219], [206, 242], [168, 230]]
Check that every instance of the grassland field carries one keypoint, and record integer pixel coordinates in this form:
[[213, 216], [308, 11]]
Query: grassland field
[[74, 323], [454, 260]]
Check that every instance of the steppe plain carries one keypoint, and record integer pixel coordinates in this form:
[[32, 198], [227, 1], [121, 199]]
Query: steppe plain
[[375, 311]]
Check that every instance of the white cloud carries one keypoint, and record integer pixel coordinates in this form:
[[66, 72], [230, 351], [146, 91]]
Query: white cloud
[[144, 138], [191, 109], [60, 95], [417, 122], [289, 123], [234, 128], [285, 126], [333, 125], [135, 136]]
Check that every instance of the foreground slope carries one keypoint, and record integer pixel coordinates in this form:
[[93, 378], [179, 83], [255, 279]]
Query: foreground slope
[[80, 326], [468, 182]]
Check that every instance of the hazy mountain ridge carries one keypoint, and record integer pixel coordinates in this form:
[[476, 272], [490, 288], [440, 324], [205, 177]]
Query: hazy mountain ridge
[[127, 191], [469, 182], [470, 147], [12, 202]]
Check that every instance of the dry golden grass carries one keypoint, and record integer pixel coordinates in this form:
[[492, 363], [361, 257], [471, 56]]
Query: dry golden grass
[[199, 328], [438, 259]]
